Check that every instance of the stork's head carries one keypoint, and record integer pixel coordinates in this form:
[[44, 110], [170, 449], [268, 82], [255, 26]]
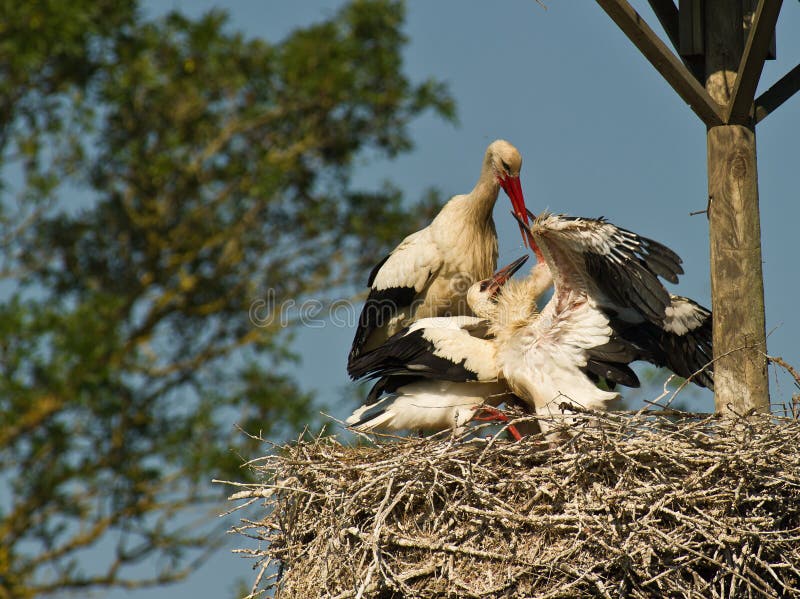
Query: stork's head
[[482, 296], [506, 163]]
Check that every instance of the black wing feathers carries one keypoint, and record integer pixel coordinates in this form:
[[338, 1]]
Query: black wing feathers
[[629, 275], [610, 362], [388, 384], [379, 308], [684, 353], [658, 257], [409, 354]]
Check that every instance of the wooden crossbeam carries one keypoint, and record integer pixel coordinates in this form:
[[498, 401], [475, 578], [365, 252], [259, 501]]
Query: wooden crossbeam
[[776, 95], [667, 14], [755, 53], [664, 61], [691, 25]]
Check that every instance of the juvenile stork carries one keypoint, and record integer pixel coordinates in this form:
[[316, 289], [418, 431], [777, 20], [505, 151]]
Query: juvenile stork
[[436, 372], [428, 274], [679, 337], [608, 309]]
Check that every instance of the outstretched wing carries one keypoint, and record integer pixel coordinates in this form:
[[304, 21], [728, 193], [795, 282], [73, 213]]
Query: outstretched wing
[[395, 282], [447, 348], [683, 343], [624, 267], [621, 271]]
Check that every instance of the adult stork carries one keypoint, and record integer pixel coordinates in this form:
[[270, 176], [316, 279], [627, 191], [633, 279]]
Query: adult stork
[[608, 309], [428, 274], [436, 372]]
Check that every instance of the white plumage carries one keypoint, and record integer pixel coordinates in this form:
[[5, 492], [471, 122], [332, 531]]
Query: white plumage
[[436, 372], [428, 404], [620, 270], [441, 347], [429, 272], [543, 359], [608, 309]]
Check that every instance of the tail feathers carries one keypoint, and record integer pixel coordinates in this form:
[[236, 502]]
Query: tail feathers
[[426, 405], [369, 418], [387, 385], [687, 355], [403, 411], [613, 373]]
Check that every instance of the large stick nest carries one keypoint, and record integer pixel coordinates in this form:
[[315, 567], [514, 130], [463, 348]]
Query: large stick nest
[[628, 506]]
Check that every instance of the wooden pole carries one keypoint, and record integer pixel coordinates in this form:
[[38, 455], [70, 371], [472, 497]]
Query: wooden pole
[[737, 288]]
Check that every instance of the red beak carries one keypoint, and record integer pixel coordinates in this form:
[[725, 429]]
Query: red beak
[[513, 189], [504, 274], [526, 232]]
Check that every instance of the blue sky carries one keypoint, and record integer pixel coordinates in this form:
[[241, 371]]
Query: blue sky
[[600, 133]]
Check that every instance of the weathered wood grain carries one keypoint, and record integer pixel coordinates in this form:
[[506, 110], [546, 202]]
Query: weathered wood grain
[[714, 31], [737, 284], [737, 288]]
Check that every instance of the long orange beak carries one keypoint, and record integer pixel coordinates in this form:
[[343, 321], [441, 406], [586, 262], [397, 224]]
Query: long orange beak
[[513, 189], [504, 274]]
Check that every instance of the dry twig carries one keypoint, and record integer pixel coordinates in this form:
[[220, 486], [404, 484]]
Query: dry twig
[[634, 505]]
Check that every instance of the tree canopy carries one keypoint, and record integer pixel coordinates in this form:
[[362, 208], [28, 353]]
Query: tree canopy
[[158, 176]]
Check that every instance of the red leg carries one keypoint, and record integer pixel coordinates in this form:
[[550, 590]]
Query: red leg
[[490, 414]]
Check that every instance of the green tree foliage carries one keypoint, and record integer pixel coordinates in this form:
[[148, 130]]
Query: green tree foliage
[[158, 176]]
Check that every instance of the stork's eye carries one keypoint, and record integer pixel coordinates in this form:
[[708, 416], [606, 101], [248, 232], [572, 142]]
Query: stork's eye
[[484, 285], [505, 166]]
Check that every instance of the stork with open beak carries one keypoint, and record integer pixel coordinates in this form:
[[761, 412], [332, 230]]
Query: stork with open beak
[[429, 272], [435, 373], [606, 284]]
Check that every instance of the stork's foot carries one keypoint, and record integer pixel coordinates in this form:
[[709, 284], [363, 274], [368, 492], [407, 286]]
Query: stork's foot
[[490, 414]]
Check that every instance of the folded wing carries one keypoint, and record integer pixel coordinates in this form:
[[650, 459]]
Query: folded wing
[[447, 348], [395, 283]]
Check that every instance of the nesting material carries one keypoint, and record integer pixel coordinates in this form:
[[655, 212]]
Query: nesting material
[[631, 505]]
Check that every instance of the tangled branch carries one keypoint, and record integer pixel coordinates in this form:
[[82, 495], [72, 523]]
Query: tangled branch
[[635, 505]]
